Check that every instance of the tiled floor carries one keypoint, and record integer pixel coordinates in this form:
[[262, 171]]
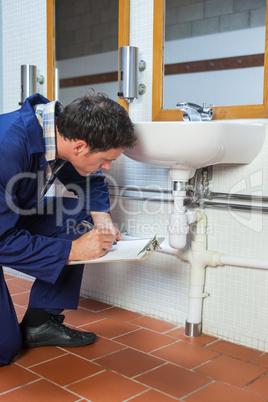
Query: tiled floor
[[136, 358]]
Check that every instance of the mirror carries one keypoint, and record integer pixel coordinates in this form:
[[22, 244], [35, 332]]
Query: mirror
[[86, 47], [163, 109]]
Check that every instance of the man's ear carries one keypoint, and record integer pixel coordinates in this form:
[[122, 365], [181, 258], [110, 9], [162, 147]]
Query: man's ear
[[79, 146]]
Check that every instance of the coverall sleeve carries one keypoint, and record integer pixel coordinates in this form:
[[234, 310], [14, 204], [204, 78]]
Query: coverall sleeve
[[91, 190], [36, 255]]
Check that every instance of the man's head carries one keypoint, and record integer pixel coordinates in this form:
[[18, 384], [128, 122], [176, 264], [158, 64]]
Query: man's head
[[93, 131], [99, 121]]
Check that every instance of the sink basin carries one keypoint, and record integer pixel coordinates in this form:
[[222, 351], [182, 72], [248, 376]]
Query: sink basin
[[183, 147]]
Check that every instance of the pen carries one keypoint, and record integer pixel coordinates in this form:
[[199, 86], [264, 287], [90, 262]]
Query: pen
[[87, 224], [90, 226]]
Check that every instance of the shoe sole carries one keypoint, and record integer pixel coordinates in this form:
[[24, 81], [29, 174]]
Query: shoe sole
[[63, 344]]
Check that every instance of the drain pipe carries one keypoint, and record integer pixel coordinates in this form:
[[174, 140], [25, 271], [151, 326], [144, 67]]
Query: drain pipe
[[180, 218], [195, 257], [199, 258]]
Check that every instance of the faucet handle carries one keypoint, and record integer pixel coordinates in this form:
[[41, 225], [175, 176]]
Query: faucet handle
[[194, 112]]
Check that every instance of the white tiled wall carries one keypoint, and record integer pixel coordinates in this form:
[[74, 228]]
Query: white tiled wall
[[24, 41]]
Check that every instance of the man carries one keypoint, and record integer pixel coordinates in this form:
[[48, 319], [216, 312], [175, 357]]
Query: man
[[38, 233]]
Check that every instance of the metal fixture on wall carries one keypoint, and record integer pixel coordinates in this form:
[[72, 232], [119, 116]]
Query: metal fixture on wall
[[28, 81], [128, 87]]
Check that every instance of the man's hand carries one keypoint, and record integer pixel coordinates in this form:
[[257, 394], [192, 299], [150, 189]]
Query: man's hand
[[103, 220], [91, 245]]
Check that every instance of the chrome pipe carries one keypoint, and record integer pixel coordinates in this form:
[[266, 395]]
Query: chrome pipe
[[222, 205], [140, 189], [140, 198], [202, 204], [247, 197]]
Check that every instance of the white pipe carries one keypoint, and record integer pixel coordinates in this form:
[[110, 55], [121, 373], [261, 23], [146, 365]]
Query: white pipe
[[244, 262], [194, 315], [218, 259], [167, 249]]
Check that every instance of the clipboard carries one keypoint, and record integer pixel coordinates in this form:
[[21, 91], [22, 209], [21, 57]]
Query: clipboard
[[127, 250]]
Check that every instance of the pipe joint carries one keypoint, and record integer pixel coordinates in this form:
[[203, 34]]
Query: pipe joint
[[212, 258]]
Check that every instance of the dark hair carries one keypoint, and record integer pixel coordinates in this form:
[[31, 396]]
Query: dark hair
[[99, 121]]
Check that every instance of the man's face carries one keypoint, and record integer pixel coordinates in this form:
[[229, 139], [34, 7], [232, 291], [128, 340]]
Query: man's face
[[86, 162]]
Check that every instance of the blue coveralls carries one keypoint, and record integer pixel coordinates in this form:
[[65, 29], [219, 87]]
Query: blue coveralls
[[36, 236]]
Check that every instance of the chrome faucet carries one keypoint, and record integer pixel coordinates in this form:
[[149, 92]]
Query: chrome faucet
[[193, 112]]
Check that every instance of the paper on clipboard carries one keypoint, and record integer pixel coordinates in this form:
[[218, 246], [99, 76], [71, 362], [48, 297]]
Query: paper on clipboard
[[127, 250]]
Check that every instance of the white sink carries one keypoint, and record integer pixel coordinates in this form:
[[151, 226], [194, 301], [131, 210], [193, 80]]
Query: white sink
[[183, 147]]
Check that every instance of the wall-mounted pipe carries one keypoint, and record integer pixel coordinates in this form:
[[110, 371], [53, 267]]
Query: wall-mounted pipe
[[140, 189], [248, 197], [202, 203], [220, 259], [244, 262], [222, 205]]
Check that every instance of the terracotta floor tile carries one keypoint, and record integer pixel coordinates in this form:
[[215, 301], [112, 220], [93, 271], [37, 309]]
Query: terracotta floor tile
[[129, 362], [13, 289], [100, 348], [154, 324], [8, 276], [110, 328], [184, 354], [232, 371], [81, 317], [145, 340], [199, 340], [32, 356], [20, 311], [121, 314], [221, 392], [107, 387], [163, 365], [259, 386], [231, 349], [23, 283], [154, 396], [41, 391], [66, 369], [93, 305], [262, 360], [21, 299], [13, 376], [173, 380]]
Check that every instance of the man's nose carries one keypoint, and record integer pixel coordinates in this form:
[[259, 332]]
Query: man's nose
[[106, 165]]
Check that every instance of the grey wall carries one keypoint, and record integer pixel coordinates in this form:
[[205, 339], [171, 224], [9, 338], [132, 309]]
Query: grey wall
[[186, 18], [85, 27]]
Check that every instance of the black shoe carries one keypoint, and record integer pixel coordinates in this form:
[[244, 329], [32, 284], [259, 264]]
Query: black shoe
[[54, 333]]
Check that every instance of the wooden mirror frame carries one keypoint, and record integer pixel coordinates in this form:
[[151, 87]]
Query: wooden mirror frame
[[220, 112], [50, 50]]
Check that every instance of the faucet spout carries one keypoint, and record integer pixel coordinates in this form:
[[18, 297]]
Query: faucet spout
[[193, 112]]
